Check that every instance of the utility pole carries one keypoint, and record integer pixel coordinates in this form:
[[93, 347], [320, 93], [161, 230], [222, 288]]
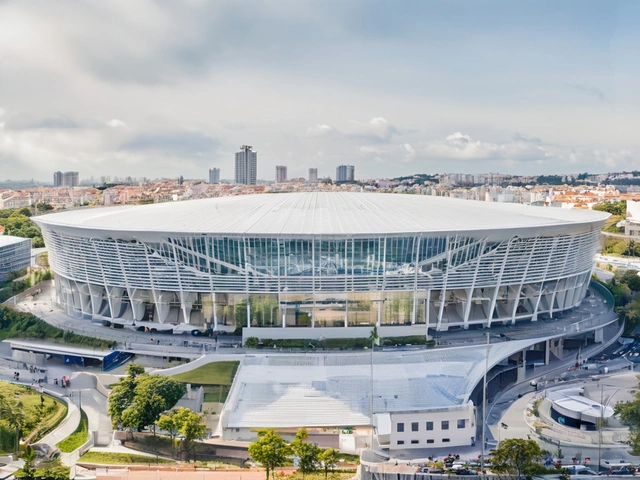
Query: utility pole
[[600, 420], [374, 339]]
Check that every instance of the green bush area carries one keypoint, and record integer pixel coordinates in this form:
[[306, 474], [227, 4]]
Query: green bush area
[[625, 288], [215, 377], [108, 458], [614, 208], [17, 223], [77, 438], [27, 414], [214, 373], [13, 287], [621, 247], [338, 343], [14, 324]]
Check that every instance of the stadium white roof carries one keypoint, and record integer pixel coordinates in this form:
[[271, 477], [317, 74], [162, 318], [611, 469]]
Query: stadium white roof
[[320, 213]]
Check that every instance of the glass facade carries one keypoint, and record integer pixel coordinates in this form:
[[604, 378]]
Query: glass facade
[[439, 280], [15, 253]]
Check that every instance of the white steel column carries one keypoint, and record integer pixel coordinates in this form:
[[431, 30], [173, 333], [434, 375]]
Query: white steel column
[[467, 310], [544, 277], [498, 284], [415, 280], [181, 292], [313, 281], [443, 292], [524, 279], [104, 278], [246, 279]]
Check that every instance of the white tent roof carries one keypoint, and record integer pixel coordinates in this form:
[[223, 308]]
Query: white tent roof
[[279, 391], [321, 213]]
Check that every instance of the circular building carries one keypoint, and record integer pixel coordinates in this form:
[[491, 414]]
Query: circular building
[[321, 262]]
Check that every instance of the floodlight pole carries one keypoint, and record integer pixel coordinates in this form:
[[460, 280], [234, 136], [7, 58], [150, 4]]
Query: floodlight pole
[[484, 404]]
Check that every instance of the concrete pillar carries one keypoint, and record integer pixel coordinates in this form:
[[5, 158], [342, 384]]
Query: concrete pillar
[[162, 305], [522, 368], [97, 295], [215, 312], [599, 335], [547, 353]]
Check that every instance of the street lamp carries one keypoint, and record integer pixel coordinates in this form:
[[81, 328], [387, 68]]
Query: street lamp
[[601, 419]]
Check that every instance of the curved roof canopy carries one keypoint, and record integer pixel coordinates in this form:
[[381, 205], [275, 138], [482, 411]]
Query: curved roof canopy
[[321, 213]]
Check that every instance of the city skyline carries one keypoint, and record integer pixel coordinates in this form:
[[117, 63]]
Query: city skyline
[[517, 88]]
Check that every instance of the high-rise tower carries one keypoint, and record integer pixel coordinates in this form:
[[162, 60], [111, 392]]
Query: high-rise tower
[[345, 173], [281, 173], [214, 175], [246, 166]]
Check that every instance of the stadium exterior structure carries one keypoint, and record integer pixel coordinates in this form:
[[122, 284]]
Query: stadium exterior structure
[[312, 265]]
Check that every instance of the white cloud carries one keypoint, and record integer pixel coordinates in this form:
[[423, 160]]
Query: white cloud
[[459, 146], [84, 84], [377, 130], [115, 123], [320, 130]]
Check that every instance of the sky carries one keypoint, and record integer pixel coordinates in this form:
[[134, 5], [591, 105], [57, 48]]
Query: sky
[[165, 88]]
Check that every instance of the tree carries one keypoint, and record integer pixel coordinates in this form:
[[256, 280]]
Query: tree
[[629, 413], [307, 453], [28, 471], [632, 279], [514, 455], [152, 395], [167, 422], [270, 450], [190, 425], [329, 458], [138, 399], [12, 413], [373, 336], [122, 393]]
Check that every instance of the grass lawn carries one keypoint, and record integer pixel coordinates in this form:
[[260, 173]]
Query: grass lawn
[[214, 373], [77, 438], [42, 412], [216, 393], [109, 458]]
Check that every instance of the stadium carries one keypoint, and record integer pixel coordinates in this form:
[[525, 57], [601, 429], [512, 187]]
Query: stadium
[[313, 265]]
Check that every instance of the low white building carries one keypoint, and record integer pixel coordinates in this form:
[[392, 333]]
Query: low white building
[[632, 222], [445, 427]]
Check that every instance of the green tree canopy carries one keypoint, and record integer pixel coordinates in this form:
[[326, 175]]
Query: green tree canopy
[[138, 399], [307, 453], [270, 450], [629, 413], [614, 208], [185, 422], [514, 455], [329, 458], [632, 279]]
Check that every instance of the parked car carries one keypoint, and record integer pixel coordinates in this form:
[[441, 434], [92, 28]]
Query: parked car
[[579, 470], [622, 471]]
